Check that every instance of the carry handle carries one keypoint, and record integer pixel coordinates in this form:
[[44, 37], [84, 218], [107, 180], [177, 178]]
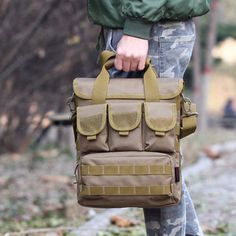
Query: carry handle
[[150, 79], [105, 56]]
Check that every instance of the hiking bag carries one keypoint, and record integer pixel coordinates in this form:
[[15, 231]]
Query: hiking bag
[[127, 134]]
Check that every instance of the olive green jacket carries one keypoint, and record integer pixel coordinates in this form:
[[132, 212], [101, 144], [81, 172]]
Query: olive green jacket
[[137, 16]]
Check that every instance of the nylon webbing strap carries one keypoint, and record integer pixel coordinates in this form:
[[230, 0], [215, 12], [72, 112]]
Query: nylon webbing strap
[[88, 170], [105, 56], [151, 88], [128, 190], [189, 121], [100, 88]]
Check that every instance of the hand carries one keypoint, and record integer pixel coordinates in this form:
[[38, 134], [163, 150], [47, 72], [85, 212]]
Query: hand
[[131, 53]]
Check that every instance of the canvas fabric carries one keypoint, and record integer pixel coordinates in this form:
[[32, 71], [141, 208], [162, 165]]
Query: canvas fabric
[[127, 133], [128, 144]]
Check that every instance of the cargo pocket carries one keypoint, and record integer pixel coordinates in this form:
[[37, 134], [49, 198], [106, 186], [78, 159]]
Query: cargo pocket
[[127, 179], [125, 132], [91, 127], [159, 127]]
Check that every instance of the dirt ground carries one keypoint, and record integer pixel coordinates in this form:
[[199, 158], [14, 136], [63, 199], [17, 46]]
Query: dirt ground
[[37, 191], [214, 192]]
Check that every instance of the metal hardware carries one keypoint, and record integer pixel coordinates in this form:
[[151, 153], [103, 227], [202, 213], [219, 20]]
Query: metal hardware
[[70, 103], [187, 111], [77, 179]]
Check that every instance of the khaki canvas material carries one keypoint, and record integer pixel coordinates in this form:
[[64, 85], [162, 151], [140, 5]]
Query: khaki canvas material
[[127, 134]]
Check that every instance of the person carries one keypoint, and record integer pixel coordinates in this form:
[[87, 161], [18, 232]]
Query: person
[[164, 31], [228, 119]]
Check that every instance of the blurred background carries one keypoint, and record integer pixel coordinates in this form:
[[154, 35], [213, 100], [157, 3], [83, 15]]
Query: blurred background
[[43, 46]]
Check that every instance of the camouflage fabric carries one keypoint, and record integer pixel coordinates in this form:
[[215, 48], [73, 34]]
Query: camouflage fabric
[[170, 48]]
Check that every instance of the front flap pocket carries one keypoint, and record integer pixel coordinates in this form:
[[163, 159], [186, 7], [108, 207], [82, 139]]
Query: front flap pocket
[[159, 127], [91, 120], [125, 133], [160, 117], [124, 117]]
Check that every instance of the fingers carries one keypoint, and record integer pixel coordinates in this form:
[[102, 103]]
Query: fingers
[[118, 62], [141, 64], [134, 64], [126, 63], [131, 54], [131, 63]]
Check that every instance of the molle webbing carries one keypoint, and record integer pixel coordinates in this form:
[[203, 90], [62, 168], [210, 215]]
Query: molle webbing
[[112, 170], [125, 190], [128, 133]]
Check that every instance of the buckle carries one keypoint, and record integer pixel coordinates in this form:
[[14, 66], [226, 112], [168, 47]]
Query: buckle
[[70, 103], [187, 107], [77, 179]]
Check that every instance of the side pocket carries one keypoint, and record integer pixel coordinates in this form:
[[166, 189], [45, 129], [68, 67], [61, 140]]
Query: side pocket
[[159, 127], [125, 132], [188, 118], [91, 127]]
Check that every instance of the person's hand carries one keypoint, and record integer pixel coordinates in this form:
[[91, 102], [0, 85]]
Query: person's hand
[[131, 53]]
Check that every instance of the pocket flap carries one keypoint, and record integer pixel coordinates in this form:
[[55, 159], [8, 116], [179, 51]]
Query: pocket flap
[[124, 117], [160, 117], [91, 120]]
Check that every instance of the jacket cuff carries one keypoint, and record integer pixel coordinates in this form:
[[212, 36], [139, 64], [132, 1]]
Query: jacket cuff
[[137, 28]]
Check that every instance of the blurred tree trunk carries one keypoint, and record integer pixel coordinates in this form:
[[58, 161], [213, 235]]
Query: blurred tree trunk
[[197, 63], [207, 69], [44, 45]]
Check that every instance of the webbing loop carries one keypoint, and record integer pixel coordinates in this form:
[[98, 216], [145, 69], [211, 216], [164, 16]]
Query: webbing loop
[[150, 79], [98, 170], [125, 190]]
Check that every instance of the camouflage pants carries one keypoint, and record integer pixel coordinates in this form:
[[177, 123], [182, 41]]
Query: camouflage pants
[[170, 49]]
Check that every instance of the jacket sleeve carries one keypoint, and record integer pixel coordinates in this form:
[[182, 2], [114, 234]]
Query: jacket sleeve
[[141, 14]]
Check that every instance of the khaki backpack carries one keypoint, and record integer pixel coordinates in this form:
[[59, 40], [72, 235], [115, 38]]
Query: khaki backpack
[[127, 134]]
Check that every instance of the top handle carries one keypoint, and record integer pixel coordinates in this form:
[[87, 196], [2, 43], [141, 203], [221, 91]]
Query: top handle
[[150, 79], [105, 56]]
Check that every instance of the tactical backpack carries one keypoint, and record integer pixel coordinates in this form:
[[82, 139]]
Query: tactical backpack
[[127, 134]]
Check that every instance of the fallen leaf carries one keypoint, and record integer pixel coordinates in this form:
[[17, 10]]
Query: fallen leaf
[[121, 222], [59, 179]]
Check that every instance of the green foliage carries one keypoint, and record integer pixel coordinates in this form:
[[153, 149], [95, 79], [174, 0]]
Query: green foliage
[[39, 223], [220, 234], [223, 229], [137, 231], [225, 31], [14, 225]]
